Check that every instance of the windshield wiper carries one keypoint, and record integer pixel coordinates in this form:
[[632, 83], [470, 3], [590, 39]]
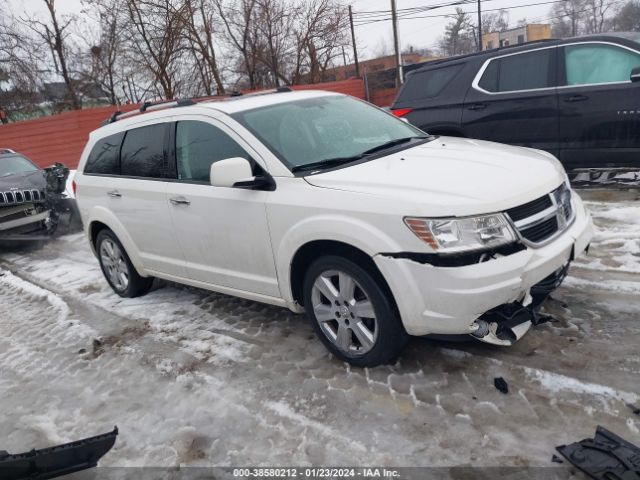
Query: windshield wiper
[[328, 163], [333, 162], [392, 143]]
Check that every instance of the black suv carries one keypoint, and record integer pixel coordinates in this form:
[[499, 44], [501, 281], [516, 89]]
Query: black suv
[[577, 98]]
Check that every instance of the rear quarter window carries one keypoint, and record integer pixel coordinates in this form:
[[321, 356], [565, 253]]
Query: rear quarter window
[[430, 83], [104, 158], [522, 71]]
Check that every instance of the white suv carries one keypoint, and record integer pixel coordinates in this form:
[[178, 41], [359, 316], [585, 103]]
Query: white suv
[[320, 202]]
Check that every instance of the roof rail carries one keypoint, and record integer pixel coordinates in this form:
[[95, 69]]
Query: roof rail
[[6, 150], [149, 107], [181, 102]]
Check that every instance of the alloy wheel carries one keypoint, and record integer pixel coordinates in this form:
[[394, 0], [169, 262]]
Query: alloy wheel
[[114, 264], [344, 311]]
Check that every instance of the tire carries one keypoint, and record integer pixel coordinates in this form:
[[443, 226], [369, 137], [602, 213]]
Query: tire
[[352, 313], [117, 267]]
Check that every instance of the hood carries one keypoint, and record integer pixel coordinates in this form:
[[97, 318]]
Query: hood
[[452, 176], [34, 180]]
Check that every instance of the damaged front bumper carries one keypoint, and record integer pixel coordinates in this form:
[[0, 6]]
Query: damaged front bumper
[[32, 211], [448, 300], [56, 461], [24, 221]]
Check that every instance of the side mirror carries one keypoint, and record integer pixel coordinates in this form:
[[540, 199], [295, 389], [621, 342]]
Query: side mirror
[[236, 172], [227, 172], [635, 74]]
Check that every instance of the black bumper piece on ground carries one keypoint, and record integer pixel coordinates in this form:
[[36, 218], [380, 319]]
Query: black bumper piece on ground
[[56, 461], [604, 457]]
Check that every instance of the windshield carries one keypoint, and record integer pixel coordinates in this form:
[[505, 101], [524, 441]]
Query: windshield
[[315, 130], [11, 164]]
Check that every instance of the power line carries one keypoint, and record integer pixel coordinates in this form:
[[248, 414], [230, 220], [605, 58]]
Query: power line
[[408, 11], [444, 15]]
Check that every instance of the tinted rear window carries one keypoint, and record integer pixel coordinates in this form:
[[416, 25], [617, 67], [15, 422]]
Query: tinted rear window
[[428, 84], [143, 152], [524, 71], [105, 156]]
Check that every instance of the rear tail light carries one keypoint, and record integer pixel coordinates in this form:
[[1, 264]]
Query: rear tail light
[[74, 187], [401, 112]]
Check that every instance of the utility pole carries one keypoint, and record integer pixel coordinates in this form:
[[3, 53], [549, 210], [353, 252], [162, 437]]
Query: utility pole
[[479, 27], [353, 41], [396, 43]]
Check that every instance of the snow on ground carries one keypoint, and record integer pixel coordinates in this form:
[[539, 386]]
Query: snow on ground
[[196, 378]]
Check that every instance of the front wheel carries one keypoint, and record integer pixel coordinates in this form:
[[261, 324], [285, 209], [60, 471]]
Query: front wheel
[[352, 313], [117, 267]]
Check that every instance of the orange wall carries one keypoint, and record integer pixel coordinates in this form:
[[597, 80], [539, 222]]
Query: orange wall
[[384, 98], [61, 138]]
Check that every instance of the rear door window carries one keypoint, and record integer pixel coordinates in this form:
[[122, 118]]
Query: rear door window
[[522, 71], [105, 156], [589, 64], [200, 144], [430, 83], [144, 153]]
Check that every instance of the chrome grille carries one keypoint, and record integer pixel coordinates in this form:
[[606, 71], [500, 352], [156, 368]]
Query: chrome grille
[[544, 218], [16, 197]]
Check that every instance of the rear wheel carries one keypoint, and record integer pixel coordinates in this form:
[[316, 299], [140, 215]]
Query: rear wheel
[[352, 313], [117, 267]]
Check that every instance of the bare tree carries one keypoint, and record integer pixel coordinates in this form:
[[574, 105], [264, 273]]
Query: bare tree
[[239, 19], [19, 63], [320, 33], [156, 36], [627, 19], [457, 37], [329, 36], [106, 50], [491, 22], [596, 15], [199, 22], [55, 34], [18, 67], [275, 26], [567, 18]]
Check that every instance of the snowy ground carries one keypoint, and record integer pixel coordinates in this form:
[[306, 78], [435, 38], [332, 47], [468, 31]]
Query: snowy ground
[[196, 378]]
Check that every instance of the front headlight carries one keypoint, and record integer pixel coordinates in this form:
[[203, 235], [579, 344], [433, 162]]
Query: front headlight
[[451, 235]]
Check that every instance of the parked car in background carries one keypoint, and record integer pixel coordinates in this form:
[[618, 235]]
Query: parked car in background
[[577, 98], [32, 200], [320, 202]]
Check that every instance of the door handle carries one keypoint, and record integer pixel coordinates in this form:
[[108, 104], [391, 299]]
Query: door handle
[[179, 201], [576, 98], [114, 194], [477, 106]]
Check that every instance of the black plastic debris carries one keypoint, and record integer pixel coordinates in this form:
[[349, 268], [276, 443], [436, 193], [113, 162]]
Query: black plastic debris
[[605, 457], [539, 319], [556, 459], [56, 461], [501, 384], [635, 409]]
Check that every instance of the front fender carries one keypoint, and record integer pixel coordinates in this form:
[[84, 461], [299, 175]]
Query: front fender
[[103, 215], [333, 227]]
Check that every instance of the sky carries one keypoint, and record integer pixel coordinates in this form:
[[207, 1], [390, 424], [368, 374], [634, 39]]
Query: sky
[[373, 38], [424, 32]]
